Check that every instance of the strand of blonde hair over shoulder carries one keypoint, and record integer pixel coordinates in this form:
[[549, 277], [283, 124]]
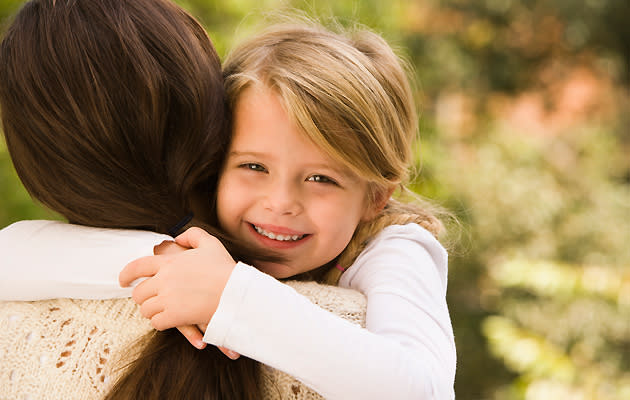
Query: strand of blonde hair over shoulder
[[350, 93]]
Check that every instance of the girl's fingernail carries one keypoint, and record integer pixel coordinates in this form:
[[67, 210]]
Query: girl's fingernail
[[231, 354]]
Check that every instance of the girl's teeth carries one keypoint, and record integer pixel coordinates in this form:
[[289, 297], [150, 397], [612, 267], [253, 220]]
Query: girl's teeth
[[278, 237]]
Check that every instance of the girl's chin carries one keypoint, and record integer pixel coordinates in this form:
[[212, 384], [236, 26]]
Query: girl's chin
[[277, 270]]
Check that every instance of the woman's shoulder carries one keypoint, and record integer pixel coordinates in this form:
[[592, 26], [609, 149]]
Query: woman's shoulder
[[27, 227], [347, 303], [48, 229]]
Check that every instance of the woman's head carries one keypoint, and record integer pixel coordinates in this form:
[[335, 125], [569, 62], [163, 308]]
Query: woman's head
[[348, 93], [113, 110], [114, 116]]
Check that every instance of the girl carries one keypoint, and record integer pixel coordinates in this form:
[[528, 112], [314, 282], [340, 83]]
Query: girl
[[322, 131], [344, 111]]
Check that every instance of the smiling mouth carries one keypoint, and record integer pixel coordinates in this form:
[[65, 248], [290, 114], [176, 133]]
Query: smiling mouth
[[277, 236]]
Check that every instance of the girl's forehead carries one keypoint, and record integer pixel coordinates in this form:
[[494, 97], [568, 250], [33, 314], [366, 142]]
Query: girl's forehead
[[261, 113]]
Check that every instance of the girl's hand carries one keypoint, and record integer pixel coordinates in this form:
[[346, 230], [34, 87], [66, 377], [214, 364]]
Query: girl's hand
[[182, 288], [194, 334]]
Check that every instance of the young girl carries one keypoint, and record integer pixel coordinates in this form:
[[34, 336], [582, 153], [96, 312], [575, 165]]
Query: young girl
[[323, 126]]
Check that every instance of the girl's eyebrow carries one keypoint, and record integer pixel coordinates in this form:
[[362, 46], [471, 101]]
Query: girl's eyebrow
[[342, 173], [245, 153]]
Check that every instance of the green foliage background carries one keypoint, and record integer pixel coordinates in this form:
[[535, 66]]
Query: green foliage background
[[525, 110]]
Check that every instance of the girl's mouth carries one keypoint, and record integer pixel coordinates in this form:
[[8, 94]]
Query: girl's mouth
[[277, 236]]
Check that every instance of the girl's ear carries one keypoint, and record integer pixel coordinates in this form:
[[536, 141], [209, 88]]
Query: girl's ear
[[380, 201]]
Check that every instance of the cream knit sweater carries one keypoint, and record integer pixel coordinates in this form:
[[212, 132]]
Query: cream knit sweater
[[70, 349]]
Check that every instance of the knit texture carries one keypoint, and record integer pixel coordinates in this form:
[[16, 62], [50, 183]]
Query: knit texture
[[71, 349]]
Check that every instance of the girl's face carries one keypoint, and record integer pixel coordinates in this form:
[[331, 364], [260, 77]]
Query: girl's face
[[279, 191]]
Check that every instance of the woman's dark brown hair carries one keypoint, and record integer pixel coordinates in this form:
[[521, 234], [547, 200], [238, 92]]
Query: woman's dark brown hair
[[114, 115]]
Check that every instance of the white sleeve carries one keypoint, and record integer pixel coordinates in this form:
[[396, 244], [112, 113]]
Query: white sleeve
[[406, 352], [51, 259], [403, 274]]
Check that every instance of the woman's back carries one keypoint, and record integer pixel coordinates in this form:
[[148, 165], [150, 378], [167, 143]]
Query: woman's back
[[113, 113], [74, 349]]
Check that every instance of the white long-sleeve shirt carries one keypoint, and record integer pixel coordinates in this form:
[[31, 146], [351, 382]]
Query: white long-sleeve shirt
[[50, 259], [407, 350]]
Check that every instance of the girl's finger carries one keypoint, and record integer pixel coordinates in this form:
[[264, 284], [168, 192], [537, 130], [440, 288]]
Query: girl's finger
[[142, 267], [145, 290], [165, 320], [168, 247], [231, 354], [194, 336], [194, 237], [151, 307]]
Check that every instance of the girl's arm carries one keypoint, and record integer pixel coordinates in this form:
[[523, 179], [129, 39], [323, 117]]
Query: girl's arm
[[406, 352], [51, 259]]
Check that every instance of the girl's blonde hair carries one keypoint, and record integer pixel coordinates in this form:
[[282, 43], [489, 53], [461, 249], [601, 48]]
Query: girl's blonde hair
[[350, 94]]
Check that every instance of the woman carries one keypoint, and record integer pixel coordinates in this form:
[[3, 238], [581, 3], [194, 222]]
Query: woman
[[113, 113]]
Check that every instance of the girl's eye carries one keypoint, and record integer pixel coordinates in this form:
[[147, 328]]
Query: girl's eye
[[253, 167], [321, 179]]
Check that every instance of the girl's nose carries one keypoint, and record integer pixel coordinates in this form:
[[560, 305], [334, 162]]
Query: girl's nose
[[283, 199]]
